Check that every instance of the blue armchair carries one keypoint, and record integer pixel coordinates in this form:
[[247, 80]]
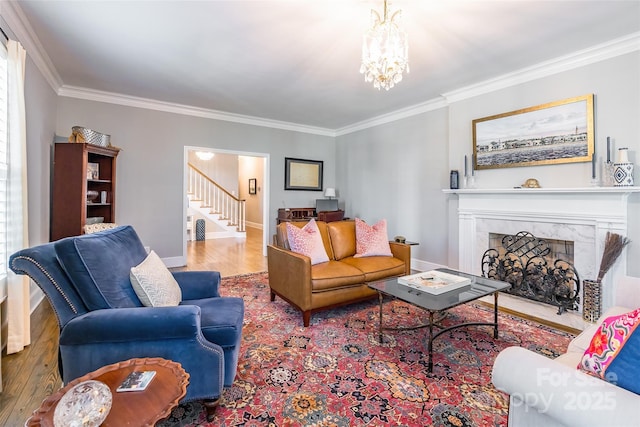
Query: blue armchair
[[102, 321]]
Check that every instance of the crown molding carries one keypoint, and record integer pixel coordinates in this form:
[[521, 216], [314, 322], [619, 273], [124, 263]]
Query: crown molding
[[151, 104], [601, 52], [597, 53], [423, 107], [21, 28]]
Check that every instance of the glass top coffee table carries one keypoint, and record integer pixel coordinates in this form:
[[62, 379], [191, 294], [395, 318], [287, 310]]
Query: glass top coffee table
[[478, 288]]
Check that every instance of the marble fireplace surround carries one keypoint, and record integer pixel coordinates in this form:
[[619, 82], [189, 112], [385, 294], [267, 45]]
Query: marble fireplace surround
[[581, 215]]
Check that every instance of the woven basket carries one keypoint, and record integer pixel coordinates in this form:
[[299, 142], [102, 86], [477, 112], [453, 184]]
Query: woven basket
[[82, 134]]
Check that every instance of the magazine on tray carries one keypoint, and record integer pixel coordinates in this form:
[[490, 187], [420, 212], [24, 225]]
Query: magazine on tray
[[434, 282], [137, 381]]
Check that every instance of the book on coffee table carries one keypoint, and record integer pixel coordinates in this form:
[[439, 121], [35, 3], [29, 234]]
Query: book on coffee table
[[434, 282], [136, 381]]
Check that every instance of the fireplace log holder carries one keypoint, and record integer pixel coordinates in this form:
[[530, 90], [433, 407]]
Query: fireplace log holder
[[525, 265]]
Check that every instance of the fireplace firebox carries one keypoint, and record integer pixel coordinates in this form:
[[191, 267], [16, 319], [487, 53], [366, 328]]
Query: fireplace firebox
[[524, 261]]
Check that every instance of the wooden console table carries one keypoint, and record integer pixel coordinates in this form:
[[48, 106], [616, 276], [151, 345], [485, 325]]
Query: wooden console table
[[295, 214], [140, 408]]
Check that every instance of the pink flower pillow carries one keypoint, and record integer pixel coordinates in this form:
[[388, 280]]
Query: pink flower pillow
[[307, 241], [372, 240], [614, 351]]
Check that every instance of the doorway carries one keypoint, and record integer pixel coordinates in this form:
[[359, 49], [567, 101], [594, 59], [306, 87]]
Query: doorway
[[246, 174]]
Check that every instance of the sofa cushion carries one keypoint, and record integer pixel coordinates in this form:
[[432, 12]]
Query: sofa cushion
[[99, 265], [372, 240], [334, 274], [615, 350], [377, 267], [307, 241], [343, 238], [154, 284]]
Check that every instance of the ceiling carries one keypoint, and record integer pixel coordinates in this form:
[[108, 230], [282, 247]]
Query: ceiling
[[297, 61]]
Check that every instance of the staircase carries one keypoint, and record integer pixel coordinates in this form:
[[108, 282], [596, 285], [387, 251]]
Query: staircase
[[216, 204]]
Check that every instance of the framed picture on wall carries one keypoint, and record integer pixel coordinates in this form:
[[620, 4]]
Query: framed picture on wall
[[300, 174], [556, 132], [252, 185]]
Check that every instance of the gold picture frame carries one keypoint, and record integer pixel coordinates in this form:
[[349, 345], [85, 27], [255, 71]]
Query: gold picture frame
[[552, 133], [300, 174]]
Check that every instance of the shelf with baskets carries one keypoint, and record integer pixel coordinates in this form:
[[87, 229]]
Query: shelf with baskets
[[84, 187]]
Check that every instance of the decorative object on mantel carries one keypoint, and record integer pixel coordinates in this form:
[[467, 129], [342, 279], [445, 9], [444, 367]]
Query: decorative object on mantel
[[469, 179], [623, 169], [607, 167], [531, 183], [453, 180], [592, 307]]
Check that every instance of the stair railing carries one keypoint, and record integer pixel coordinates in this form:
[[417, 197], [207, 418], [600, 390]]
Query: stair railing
[[215, 197]]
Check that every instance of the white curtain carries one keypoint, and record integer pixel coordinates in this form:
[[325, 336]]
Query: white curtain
[[18, 305]]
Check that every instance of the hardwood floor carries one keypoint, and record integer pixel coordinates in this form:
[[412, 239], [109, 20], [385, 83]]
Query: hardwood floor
[[30, 376], [228, 256]]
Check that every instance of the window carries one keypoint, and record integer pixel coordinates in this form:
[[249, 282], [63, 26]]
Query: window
[[3, 170]]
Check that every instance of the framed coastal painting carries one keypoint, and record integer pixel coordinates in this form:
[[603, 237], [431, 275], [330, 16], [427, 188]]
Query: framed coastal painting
[[556, 132], [300, 174]]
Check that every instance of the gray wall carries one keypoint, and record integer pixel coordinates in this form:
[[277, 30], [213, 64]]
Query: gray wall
[[394, 171], [616, 86], [252, 167], [40, 106], [150, 166], [397, 170]]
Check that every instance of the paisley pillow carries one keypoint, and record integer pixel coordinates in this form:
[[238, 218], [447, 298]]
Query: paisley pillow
[[307, 241], [372, 240], [615, 350]]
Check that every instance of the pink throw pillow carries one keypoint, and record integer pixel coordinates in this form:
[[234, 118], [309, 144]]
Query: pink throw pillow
[[307, 241], [372, 240]]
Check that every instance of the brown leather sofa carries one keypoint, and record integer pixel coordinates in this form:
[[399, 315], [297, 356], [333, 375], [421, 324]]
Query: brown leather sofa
[[342, 280]]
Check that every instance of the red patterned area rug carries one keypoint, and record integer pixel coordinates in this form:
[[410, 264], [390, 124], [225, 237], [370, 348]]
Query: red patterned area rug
[[336, 372]]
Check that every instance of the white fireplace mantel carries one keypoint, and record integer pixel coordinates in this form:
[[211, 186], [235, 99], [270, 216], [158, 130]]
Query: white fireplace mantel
[[582, 215]]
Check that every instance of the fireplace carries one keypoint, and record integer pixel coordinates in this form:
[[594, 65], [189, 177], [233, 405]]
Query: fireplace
[[580, 215], [538, 269]]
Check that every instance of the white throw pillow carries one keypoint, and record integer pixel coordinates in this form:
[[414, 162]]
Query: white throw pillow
[[154, 284]]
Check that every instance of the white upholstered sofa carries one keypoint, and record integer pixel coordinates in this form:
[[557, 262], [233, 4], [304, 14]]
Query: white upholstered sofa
[[546, 392]]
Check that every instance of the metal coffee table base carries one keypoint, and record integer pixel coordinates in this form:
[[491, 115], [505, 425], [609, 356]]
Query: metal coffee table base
[[434, 322]]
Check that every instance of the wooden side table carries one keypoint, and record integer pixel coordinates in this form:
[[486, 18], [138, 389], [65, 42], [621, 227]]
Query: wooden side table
[[143, 408]]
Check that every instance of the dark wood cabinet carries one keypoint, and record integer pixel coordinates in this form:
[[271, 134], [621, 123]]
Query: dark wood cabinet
[[295, 214], [72, 182]]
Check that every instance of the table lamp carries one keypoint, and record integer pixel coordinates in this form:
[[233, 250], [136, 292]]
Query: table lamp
[[330, 192]]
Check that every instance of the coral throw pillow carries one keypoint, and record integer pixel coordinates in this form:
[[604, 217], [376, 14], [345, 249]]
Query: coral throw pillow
[[307, 241], [614, 352], [372, 240]]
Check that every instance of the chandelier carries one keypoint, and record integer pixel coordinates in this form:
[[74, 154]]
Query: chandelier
[[384, 51]]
